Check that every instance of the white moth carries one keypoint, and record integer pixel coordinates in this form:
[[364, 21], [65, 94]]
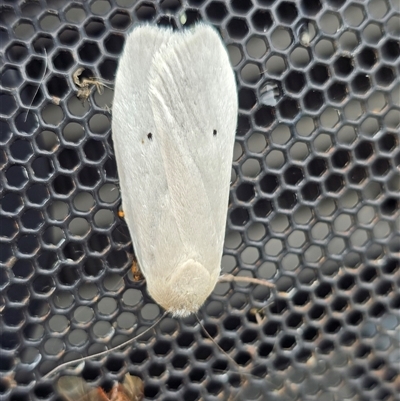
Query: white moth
[[174, 121]]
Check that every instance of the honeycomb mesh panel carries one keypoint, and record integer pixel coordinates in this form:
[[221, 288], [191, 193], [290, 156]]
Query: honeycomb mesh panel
[[314, 206]]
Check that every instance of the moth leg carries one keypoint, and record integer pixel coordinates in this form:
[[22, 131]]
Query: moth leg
[[136, 273]]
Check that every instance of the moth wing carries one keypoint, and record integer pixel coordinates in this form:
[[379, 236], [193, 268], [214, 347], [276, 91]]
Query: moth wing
[[194, 102], [76, 389], [131, 123], [133, 387]]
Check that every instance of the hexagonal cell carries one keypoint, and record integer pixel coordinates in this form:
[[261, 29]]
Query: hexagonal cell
[[377, 102], [378, 8], [216, 11], [324, 49], [343, 223], [388, 142], [367, 57], [287, 200], [337, 92], [320, 231], [295, 81], [313, 100], [281, 38], [330, 23], [288, 108], [247, 99], [373, 33], [343, 66], [350, 199], [24, 30], [361, 83], [256, 232], [89, 52], [256, 143], [262, 20], [16, 52], [251, 167], [21, 150], [329, 117], [10, 78], [239, 216], [275, 65], [262, 208], [334, 183], [63, 60], [346, 134], [300, 57], [27, 244], [94, 27], [35, 69], [311, 191], [392, 119], [312, 7], [171, 5], [359, 237], [323, 142], [264, 116], [341, 158], [297, 239], [313, 254], [114, 44], [237, 28], [281, 134], [349, 41], [305, 126], [50, 22], [273, 247], [68, 36], [256, 47], [353, 110], [120, 20], [275, 159], [43, 44], [250, 73], [385, 75], [290, 262], [30, 95], [357, 175], [8, 104], [317, 167], [391, 50], [299, 151], [293, 175], [100, 7], [381, 167], [354, 15], [63, 185], [94, 150], [89, 176], [287, 12], [16, 176], [241, 6], [9, 229], [370, 127], [250, 255], [269, 183], [245, 192]]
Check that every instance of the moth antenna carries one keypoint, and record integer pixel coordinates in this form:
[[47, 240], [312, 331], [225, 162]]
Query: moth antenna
[[229, 278], [103, 353], [40, 84]]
